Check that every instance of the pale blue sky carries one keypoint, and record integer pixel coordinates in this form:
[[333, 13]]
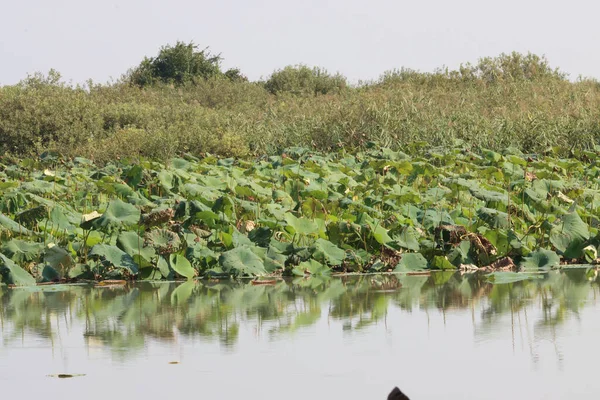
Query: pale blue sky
[[361, 39]]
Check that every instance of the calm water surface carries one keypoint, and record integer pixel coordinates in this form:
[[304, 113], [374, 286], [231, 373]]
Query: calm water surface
[[441, 336]]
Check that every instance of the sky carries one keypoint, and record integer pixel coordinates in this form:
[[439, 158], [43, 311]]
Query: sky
[[101, 40]]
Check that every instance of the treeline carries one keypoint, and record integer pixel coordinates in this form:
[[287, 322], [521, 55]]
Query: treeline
[[183, 101]]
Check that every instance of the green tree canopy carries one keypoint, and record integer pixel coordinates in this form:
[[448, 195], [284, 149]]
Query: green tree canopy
[[179, 64]]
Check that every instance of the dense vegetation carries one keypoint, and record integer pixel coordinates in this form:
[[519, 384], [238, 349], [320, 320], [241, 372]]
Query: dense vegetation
[[300, 213], [182, 101]]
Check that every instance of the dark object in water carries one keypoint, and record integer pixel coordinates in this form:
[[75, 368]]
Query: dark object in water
[[396, 394]]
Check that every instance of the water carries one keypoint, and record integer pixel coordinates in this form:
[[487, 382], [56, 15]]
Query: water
[[443, 336]]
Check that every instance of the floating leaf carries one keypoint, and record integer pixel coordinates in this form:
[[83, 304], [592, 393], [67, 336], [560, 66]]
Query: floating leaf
[[540, 260], [411, 262]]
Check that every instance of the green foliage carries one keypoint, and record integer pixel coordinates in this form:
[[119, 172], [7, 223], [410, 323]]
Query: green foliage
[[113, 257], [177, 64], [182, 266], [447, 201], [302, 212], [242, 260], [303, 80], [514, 100], [117, 215], [510, 67], [12, 274], [412, 262], [541, 260]]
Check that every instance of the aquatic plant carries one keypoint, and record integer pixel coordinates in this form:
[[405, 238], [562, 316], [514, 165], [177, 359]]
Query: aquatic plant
[[301, 213]]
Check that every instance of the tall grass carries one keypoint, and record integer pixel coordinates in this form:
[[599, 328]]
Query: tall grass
[[520, 103]]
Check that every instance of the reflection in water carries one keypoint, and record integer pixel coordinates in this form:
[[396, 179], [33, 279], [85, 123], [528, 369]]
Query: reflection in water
[[125, 318]]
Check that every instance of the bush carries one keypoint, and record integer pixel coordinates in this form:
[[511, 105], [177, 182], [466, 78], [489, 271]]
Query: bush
[[224, 116], [40, 113], [511, 67], [302, 80], [178, 64]]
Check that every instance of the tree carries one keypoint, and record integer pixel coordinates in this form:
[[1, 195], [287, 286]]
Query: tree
[[180, 64]]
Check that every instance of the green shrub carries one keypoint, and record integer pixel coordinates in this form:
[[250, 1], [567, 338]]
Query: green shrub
[[511, 67], [227, 116], [40, 113], [178, 64], [302, 80]]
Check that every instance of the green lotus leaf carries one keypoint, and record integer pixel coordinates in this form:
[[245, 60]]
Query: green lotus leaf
[[45, 273], [541, 259], [166, 180], [569, 235], [58, 258], [411, 262], [12, 274], [261, 236], [242, 260], [21, 251], [408, 239], [115, 256], [590, 253], [59, 220], [132, 244], [164, 241], [118, 215], [494, 218], [442, 262], [380, 234], [81, 271], [312, 267], [301, 226], [327, 253], [274, 260], [182, 266], [163, 266], [12, 226]]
